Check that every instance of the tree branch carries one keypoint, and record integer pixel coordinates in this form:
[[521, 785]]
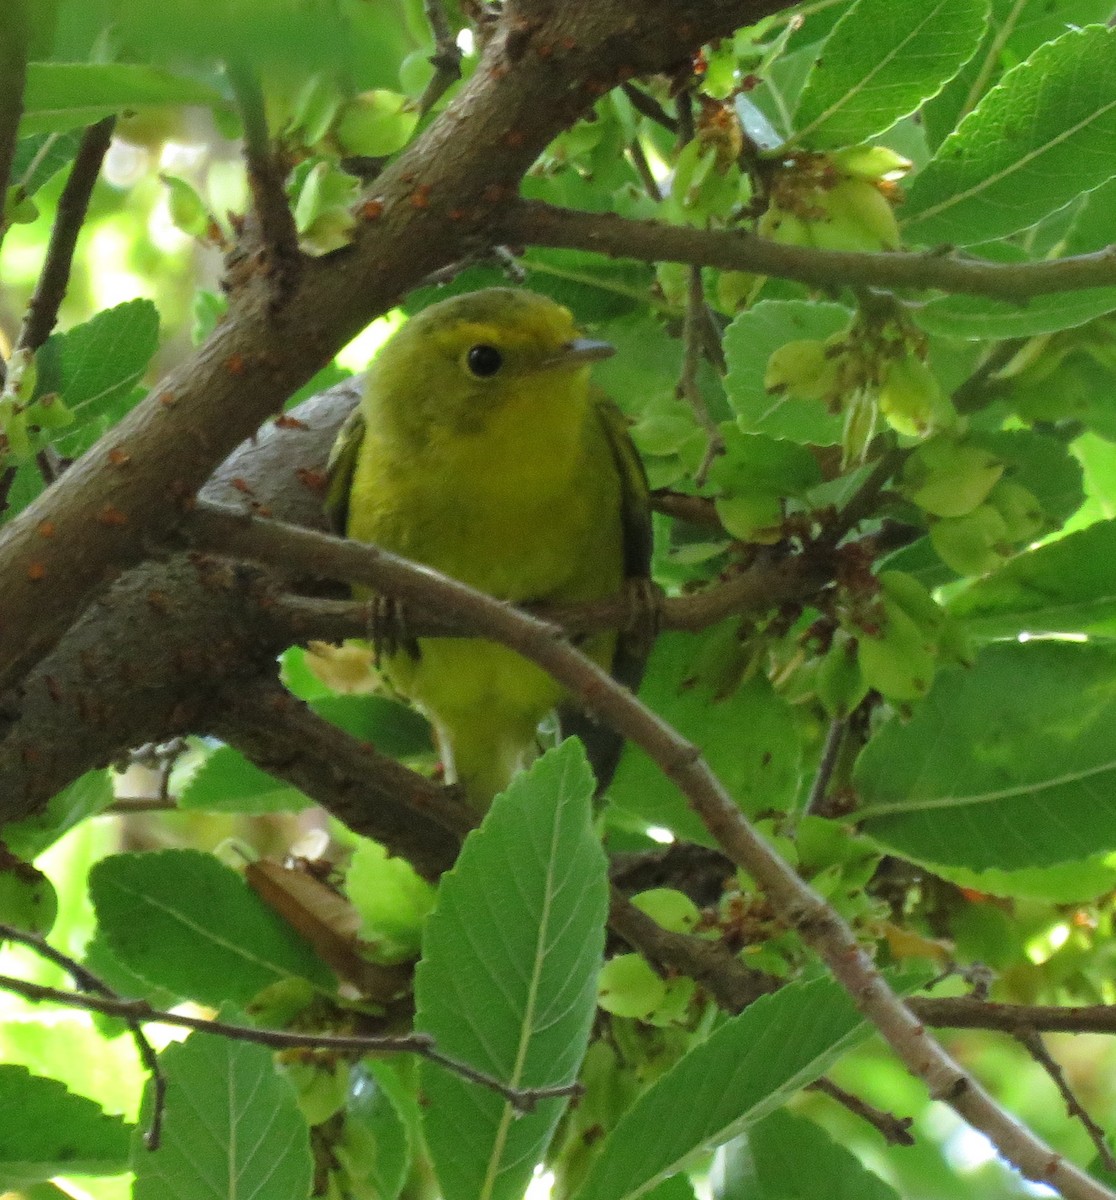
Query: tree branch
[[433, 202], [73, 204], [141, 1012], [798, 905], [14, 50], [533, 223]]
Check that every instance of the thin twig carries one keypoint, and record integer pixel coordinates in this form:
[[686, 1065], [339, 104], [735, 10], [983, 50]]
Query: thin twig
[[422, 1044], [896, 1131], [73, 204], [535, 223], [446, 59], [688, 387], [643, 170], [863, 503], [649, 107], [1036, 1047], [277, 230], [979, 389], [831, 751], [85, 979]]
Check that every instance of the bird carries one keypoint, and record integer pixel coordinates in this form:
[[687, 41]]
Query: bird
[[481, 449]]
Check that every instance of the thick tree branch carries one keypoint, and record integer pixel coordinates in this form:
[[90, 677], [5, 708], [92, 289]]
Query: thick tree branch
[[371, 793], [533, 223], [432, 205]]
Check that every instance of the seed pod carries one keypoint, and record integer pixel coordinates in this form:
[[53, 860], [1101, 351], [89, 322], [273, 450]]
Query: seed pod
[[974, 543], [949, 478], [899, 661]]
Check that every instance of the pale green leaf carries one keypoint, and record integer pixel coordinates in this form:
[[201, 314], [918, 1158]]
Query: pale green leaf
[[982, 319], [749, 342], [61, 96], [225, 781], [95, 364], [507, 982]]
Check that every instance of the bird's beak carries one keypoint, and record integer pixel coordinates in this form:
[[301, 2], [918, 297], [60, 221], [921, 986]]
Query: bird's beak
[[581, 350]]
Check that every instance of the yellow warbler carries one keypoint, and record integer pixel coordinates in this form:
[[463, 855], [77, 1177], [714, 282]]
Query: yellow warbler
[[480, 449]]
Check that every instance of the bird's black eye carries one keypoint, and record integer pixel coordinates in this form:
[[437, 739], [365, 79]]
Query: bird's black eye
[[484, 361]]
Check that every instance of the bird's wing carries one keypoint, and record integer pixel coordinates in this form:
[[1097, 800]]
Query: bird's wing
[[340, 468], [602, 744]]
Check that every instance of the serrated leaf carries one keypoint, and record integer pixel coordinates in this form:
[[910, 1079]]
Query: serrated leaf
[[742, 1072], [507, 982], [95, 364], [749, 342], [883, 59], [1009, 764], [47, 1130], [1016, 28], [1036, 142], [62, 96], [231, 1127], [185, 922], [692, 684], [227, 782], [982, 319], [787, 1157], [38, 159], [1065, 586]]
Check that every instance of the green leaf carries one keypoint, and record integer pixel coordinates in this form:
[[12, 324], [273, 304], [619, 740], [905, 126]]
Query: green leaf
[[38, 159], [62, 96], [392, 898], [391, 727], [47, 1131], [982, 319], [749, 342], [88, 795], [231, 1128], [375, 1145], [786, 1157], [1043, 465], [507, 982], [1066, 586], [883, 59], [1016, 29], [227, 782], [1036, 142], [93, 365], [185, 922], [1009, 764], [750, 1066], [692, 684]]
